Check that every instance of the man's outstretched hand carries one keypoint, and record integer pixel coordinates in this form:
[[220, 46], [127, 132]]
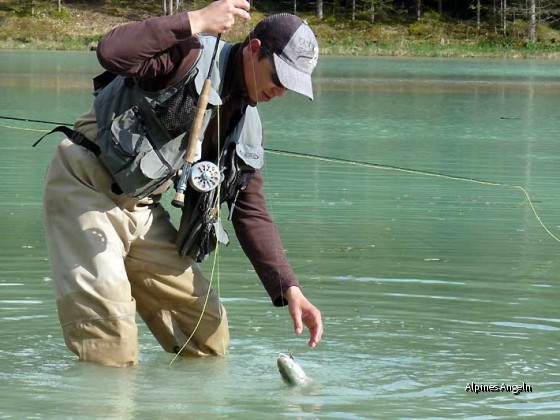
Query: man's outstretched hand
[[303, 312]]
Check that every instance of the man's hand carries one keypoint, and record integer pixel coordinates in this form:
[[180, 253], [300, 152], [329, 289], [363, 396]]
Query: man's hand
[[218, 17], [303, 312]]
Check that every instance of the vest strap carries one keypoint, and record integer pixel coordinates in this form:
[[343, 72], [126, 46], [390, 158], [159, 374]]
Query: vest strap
[[76, 137]]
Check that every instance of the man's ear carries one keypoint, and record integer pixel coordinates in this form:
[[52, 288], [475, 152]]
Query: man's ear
[[254, 46]]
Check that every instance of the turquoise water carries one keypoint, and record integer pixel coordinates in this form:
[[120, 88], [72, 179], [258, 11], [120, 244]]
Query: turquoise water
[[426, 283]]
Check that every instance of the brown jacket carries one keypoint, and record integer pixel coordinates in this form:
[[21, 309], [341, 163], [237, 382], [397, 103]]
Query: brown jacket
[[158, 52]]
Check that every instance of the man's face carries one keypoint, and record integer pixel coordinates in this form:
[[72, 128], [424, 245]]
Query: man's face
[[261, 79]]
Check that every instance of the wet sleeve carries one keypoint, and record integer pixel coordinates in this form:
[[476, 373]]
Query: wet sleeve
[[145, 48], [260, 240]]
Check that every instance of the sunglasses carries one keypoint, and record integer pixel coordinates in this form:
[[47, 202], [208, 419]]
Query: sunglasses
[[274, 74]]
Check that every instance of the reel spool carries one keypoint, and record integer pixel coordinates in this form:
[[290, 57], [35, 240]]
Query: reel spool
[[204, 176]]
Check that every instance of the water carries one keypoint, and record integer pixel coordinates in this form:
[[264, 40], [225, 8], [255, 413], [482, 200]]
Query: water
[[426, 283]]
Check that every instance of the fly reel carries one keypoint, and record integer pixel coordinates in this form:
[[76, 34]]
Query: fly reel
[[204, 176]]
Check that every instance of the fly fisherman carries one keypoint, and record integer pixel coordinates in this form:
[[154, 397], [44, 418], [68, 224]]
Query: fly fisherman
[[112, 247]]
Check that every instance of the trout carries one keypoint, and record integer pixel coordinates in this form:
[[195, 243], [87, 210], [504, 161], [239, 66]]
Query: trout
[[291, 372]]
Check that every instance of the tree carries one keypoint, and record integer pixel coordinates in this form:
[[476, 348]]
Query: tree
[[478, 15], [533, 20], [504, 17], [320, 14], [171, 6]]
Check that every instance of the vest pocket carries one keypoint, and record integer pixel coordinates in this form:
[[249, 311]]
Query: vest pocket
[[137, 166], [126, 140]]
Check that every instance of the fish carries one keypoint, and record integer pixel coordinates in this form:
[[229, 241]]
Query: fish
[[291, 372]]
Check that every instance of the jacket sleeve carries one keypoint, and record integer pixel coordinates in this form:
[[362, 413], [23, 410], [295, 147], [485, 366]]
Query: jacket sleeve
[[145, 49], [260, 240]]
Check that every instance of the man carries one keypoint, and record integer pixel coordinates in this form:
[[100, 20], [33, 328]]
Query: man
[[111, 244]]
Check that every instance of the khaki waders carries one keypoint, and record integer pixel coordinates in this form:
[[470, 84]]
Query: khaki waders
[[111, 256]]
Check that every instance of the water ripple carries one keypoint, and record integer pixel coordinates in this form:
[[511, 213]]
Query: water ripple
[[461, 299], [26, 302], [526, 326], [388, 280]]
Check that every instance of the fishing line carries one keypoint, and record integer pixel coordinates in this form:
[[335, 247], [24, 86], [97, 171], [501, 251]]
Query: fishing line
[[31, 120], [366, 165], [25, 129], [215, 261], [269, 204], [416, 172], [219, 215]]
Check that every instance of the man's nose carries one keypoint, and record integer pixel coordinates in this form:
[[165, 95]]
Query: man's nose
[[279, 91]]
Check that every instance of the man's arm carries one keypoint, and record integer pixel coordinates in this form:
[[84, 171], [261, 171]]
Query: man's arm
[[261, 242], [150, 48]]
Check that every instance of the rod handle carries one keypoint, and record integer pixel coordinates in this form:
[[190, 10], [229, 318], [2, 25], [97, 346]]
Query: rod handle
[[179, 200], [197, 123]]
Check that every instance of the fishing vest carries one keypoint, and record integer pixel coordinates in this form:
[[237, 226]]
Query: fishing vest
[[143, 135]]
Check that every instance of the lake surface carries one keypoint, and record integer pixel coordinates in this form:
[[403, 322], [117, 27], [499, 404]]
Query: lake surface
[[426, 283]]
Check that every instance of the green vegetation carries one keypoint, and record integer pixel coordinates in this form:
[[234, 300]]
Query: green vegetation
[[78, 25]]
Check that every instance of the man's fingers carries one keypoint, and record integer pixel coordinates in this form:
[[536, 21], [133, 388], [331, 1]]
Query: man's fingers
[[315, 326], [303, 312], [296, 317], [241, 9], [317, 335], [219, 16], [242, 4], [242, 14]]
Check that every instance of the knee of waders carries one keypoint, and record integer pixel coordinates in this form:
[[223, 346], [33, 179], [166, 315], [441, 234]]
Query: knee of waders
[[191, 334], [99, 330], [112, 342]]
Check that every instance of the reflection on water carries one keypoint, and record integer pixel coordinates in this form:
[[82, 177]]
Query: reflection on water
[[426, 284]]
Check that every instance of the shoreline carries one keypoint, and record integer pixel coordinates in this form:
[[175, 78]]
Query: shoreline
[[341, 51], [81, 29]]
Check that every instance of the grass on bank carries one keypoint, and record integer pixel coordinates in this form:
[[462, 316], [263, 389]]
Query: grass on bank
[[80, 26]]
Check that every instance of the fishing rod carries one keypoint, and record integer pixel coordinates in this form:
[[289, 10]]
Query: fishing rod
[[207, 172]]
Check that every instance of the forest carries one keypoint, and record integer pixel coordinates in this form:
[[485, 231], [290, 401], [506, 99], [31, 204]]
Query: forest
[[395, 27]]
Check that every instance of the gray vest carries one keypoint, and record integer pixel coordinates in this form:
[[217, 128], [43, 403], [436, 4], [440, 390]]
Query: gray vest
[[143, 137]]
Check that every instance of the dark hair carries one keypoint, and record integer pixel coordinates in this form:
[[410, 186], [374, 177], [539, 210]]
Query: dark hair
[[264, 52]]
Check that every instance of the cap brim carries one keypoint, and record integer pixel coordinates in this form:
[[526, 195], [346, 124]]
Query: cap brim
[[293, 79]]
